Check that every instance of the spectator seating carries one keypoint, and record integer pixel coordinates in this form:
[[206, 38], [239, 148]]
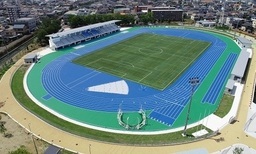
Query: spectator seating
[[83, 35]]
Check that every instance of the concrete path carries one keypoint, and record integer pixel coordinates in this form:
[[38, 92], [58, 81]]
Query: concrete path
[[232, 133]]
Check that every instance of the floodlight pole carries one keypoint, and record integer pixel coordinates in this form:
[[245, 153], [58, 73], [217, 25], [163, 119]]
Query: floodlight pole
[[193, 82]]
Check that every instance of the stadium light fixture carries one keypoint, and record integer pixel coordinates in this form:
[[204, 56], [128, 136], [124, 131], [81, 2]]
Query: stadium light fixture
[[193, 82]]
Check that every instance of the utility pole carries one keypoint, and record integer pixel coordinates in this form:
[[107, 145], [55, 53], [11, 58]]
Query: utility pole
[[193, 82], [223, 13], [33, 138], [182, 7], [237, 22], [90, 149]]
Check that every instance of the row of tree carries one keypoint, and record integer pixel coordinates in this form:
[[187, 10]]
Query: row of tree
[[47, 26], [78, 21], [126, 20], [52, 25], [146, 18]]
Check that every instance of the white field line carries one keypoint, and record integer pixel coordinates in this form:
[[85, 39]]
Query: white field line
[[145, 76], [93, 61], [81, 77], [192, 42], [102, 69], [161, 51], [85, 80], [123, 75], [185, 34], [75, 54]]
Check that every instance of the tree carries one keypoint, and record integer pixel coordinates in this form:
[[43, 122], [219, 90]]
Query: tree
[[2, 127], [48, 26], [126, 19], [238, 150], [147, 18], [21, 150], [78, 21], [108, 17], [41, 36]]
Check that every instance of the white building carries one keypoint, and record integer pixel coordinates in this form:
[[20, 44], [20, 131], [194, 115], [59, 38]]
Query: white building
[[243, 42], [82, 34], [239, 69], [254, 23]]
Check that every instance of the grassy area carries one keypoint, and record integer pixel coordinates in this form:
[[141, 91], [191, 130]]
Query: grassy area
[[4, 68], [225, 105], [21, 150], [66, 152], [146, 58], [19, 93]]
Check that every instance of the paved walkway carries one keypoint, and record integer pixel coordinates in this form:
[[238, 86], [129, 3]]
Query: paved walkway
[[232, 133]]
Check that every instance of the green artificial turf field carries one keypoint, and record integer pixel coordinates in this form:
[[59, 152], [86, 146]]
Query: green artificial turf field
[[149, 59]]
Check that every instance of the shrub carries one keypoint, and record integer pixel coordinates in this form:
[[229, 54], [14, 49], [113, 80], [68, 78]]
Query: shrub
[[21, 150]]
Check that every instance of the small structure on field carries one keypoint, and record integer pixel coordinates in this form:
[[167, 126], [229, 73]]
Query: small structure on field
[[31, 58]]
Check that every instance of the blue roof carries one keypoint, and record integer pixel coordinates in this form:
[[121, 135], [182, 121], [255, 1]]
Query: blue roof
[[52, 150], [18, 26]]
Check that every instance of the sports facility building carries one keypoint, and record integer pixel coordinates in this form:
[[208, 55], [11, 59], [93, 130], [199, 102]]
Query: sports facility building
[[243, 42], [135, 80], [239, 69], [82, 34]]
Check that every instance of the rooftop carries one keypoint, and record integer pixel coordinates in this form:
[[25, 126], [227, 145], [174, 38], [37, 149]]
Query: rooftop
[[230, 84], [24, 19], [18, 26], [241, 63], [71, 13], [30, 56], [244, 40], [52, 150], [168, 10], [79, 29]]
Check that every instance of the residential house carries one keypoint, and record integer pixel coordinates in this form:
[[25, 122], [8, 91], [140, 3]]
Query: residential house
[[25, 25]]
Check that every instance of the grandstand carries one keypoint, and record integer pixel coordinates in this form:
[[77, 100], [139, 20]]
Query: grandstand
[[82, 34], [238, 71]]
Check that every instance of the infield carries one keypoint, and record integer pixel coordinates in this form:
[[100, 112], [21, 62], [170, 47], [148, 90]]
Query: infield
[[145, 58]]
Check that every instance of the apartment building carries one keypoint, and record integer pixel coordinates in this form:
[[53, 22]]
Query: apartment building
[[13, 12]]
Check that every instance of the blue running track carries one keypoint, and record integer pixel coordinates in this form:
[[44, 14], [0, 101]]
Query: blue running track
[[69, 82], [213, 92]]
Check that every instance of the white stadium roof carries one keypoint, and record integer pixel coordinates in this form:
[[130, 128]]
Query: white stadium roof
[[241, 63], [79, 29], [244, 40]]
